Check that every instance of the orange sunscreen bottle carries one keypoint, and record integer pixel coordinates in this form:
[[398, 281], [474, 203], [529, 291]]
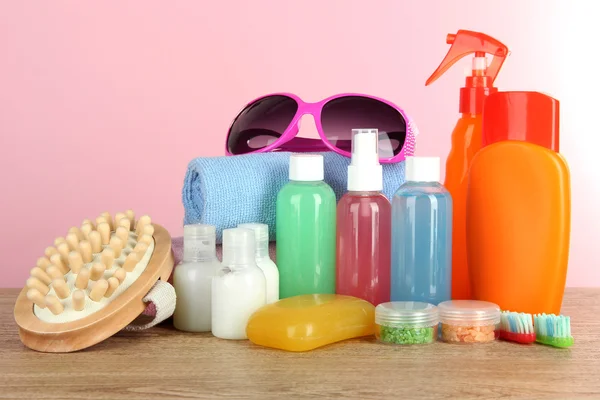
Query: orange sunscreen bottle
[[466, 137], [519, 206]]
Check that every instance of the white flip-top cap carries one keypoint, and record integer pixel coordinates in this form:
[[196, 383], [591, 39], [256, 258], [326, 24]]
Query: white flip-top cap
[[365, 174], [423, 169], [306, 167]]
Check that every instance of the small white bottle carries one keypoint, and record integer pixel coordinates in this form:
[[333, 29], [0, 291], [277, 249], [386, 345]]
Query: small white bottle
[[240, 287], [264, 262], [192, 279]]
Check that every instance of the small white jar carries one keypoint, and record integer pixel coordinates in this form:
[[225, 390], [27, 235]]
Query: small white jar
[[239, 289], [264, 262], [192, 279]]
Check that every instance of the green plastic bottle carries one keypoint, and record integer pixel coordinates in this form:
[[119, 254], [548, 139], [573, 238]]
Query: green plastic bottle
[[305, 230]]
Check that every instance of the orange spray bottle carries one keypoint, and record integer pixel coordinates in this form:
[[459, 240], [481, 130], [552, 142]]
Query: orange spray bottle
[[466, 137], [519, 206]]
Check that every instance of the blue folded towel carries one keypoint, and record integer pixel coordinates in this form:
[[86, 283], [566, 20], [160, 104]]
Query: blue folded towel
[[227, 191]]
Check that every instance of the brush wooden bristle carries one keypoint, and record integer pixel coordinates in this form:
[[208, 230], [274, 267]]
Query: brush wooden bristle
[[142, 222], [75, 262], [72, 241], [36, 297], [78, 300], [43, 263], [113, 284], [130, 262], [109, 220], [86, 229], [120, 274], [59, 240], [140, 249], [60, 288], [85, 248], [88, 221], [50, 251], [97, 271], [57, 261], [83, 278], [54, 305], [131, 217], [77, 232], [98, 290], [40, 274], [35, 283], [108, 257], [95, 241], [146, 239], [123, 233], [117, 245], [54, 272]]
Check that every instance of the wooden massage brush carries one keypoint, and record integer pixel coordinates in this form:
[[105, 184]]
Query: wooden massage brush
[[90, 284]]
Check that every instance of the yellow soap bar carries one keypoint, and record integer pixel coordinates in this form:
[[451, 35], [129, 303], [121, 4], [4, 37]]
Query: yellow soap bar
[[305, 322]]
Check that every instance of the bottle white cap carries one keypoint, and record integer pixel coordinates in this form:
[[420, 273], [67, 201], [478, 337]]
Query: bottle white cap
[[238, 246], [199, 231], [199, 241], [365, 174], [422, 169], [306, 167], [261, 237]]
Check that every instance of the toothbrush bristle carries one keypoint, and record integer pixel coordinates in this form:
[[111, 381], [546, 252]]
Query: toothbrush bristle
[[556, 326], [516, 322]]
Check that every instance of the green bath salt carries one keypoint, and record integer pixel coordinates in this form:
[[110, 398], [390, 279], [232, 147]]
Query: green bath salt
[[406, 322], [406, 335]]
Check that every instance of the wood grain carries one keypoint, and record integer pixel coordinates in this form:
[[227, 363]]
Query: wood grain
[[162, 363]]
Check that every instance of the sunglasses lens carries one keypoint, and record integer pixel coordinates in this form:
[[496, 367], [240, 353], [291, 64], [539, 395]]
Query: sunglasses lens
[[340, 116], [261, 123]]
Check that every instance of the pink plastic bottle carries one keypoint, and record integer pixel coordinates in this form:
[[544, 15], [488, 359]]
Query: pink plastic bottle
[[364, 225]]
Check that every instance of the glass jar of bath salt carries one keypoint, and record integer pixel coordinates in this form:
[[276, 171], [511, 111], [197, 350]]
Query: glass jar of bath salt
[[406, 322], [469, 321]]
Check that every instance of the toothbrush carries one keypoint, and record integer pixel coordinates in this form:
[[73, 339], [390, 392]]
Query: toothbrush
[[517, 327], [553, 330]]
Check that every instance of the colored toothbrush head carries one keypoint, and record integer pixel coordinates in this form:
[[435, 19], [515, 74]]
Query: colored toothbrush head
[[517, 327], [553, 330]]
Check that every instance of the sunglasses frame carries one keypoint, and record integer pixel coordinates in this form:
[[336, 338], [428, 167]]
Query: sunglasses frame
[[289, 141]]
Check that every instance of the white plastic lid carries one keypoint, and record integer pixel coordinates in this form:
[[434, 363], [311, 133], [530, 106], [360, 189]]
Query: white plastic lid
[[422, 169], [261, 236], [365, 174], [306, 167], [199, 231], [413, 313], [469, 313], [238, 246]]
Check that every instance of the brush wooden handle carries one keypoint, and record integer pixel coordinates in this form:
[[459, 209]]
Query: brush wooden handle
[[83, 278]]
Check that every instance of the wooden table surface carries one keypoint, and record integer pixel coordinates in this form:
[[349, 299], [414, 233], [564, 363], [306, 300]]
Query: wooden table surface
[[167, 364]]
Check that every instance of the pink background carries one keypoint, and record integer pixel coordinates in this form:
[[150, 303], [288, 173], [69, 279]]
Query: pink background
[[103, 104]]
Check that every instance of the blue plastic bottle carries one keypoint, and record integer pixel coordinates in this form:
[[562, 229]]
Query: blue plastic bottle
[[422, 235]]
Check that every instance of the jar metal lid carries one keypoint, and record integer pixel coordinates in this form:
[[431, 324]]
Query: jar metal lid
[[411, 313], [469, 312]]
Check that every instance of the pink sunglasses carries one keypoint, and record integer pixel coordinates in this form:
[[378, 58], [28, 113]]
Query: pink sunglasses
[[271, 123]]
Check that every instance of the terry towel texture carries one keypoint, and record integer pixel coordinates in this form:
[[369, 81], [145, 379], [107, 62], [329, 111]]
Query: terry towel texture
[[227, 191]]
